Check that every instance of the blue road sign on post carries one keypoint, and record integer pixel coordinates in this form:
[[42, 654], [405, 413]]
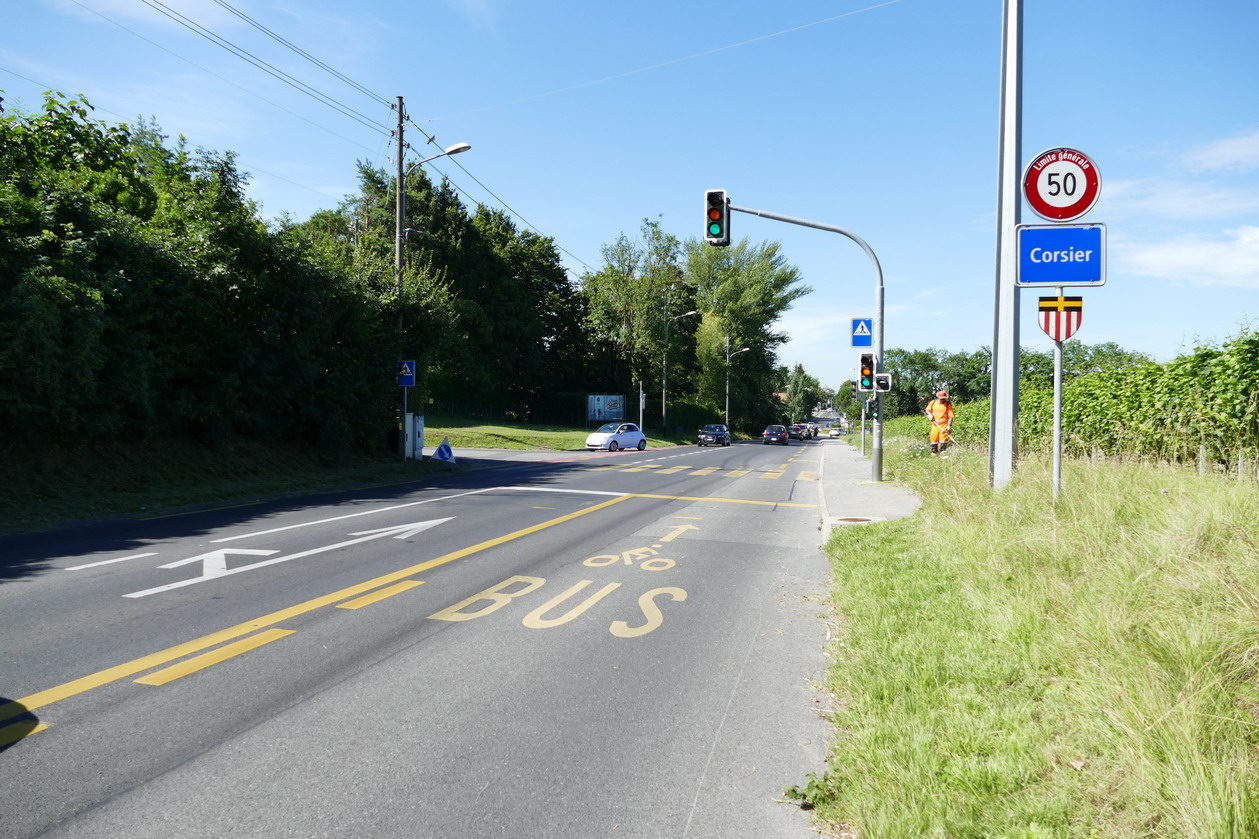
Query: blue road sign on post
[[863, 332], [1062, 255], [406, 374]]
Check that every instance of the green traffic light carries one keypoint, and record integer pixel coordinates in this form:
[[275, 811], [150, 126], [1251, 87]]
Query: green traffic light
[[714, 229]]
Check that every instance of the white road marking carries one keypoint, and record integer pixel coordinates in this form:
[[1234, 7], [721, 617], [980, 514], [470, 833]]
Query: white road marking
[[215, 570], [350, 516], [109, 561]]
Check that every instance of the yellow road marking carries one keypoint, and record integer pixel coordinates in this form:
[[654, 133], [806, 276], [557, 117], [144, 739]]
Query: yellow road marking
[[380, 594], [673, 470], [808, 476], [707, 470], [205, 660], [139, 665], [737, 473], [772, 475], [13, 732], [723, 500]]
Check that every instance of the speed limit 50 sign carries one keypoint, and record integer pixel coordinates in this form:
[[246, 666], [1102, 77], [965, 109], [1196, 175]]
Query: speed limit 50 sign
[[1061, 184]]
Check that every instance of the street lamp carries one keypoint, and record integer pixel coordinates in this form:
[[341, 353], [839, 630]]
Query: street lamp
[[400, 233], [664, 371], [730, 355]]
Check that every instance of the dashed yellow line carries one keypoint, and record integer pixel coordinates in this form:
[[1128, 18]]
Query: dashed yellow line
[[673, 470], [380, 594], [707, 470], [737, 473], [201, 662]]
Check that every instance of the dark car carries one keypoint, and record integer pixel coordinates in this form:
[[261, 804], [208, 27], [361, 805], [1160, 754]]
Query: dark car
[[774, 434], [713, 435], [796, 431]]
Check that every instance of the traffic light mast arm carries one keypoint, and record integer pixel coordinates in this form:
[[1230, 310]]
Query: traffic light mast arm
[[876, 459]]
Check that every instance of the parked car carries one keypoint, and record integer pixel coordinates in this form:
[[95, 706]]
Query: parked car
[[713, 435], [774, 434], [833, 432], [796, 431], [615, 436]]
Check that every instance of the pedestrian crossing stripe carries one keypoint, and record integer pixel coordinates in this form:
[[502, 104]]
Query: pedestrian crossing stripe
[[861, 328], [707, 470], [673, 470], [737, 473]]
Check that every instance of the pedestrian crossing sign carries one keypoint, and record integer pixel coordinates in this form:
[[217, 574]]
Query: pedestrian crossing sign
[[863, 332]]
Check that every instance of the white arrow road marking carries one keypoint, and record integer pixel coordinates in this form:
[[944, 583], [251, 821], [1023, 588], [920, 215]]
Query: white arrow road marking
[[214, 564]]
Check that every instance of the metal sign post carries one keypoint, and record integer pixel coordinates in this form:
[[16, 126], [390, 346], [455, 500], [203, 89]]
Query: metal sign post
[[1059, 317]]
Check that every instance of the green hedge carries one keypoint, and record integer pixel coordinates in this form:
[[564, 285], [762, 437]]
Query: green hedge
[[1209, 398]]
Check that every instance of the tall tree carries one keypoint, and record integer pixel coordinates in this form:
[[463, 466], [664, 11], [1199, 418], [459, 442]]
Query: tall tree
[[742, 291]]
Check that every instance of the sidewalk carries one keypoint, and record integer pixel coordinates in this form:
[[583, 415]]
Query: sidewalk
[[847, 495]]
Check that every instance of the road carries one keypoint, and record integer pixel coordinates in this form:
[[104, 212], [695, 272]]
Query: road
[[618, 645]]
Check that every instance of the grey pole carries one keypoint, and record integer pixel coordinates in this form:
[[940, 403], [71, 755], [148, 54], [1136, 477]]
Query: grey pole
[[876, 456], [1004, 412], [1057, 462], [727, 382], [399, 222]]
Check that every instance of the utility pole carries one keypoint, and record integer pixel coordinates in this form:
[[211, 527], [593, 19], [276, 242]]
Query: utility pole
[[400, 212]]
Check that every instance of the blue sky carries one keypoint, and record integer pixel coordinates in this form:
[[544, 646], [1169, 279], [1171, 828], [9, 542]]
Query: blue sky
[[880, 117]]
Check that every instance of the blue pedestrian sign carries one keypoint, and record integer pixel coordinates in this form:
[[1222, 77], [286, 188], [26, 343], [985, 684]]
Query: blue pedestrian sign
[[863, 332], [1062, 255], [406, 374]]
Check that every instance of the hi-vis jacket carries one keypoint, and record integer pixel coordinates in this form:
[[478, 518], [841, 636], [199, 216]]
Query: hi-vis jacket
[[941, 412]]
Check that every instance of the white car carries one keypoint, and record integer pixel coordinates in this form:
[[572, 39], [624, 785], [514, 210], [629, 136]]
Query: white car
[[615, 436]]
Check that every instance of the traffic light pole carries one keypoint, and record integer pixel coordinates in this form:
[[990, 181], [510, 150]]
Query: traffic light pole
[[876, 454]]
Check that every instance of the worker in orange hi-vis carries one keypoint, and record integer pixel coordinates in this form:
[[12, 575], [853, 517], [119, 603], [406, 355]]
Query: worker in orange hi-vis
[[940, 412]]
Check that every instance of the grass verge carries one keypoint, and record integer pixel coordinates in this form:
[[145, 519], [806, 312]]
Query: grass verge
[[1012, 668]]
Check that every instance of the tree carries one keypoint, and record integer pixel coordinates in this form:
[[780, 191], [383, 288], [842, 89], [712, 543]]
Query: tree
[[742, 291], [802, 394], [631, 298]]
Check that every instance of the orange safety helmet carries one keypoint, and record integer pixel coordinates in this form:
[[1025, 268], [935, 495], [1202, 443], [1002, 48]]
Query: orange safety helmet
[[944, 394]]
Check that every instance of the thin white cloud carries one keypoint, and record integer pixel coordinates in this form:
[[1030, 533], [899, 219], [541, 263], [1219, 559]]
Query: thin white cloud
[[1231, 260], [1174, 199], [1231, 153]]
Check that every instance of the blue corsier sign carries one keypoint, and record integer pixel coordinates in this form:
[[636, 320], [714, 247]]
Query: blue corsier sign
[[1062, 255]]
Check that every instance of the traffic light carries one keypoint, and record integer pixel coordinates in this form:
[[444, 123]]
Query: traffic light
[[865, 377], [716, 217], [882, 382], [872, 407]]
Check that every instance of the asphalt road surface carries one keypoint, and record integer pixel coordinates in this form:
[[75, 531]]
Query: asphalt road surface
[[601, 645]]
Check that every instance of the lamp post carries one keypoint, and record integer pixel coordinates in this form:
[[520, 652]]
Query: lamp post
[[664, 370], [401, 210], [400, 234], [730, 355]]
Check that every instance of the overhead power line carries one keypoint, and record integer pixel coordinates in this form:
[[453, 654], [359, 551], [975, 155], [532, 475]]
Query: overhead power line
[[321, 65], [244, 54], [210, 72]]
